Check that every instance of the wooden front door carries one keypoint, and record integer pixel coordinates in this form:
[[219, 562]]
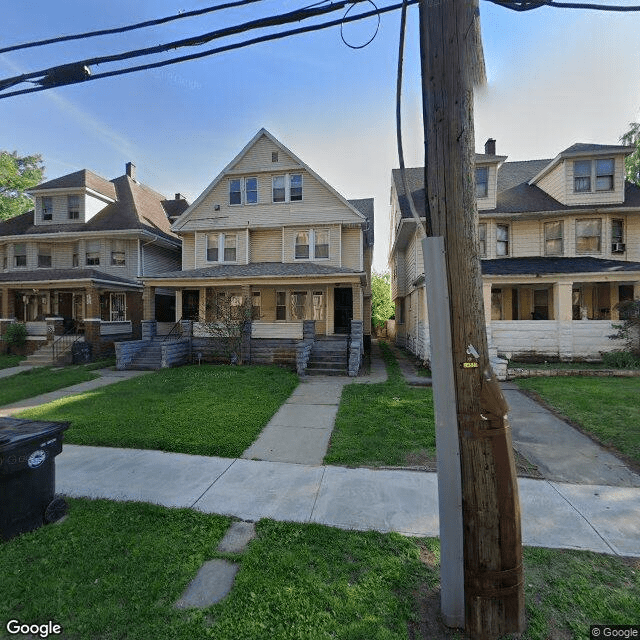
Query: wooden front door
[[190, 304], [342, 309]]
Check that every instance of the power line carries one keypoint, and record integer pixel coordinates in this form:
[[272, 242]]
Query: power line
[[202, 54], [528, 6], [131, 27], [56, 75]]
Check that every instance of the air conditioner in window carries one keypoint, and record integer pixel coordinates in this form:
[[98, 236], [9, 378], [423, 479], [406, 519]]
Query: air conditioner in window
[[618, 247]]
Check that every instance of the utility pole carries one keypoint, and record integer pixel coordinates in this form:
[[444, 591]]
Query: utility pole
[[452, 61]]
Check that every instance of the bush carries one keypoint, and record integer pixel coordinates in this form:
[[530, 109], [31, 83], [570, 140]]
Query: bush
[[15, 335], [621, 360]]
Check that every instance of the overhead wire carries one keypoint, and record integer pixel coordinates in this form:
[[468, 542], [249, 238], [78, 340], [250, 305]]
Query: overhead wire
[[526, 5], [209, 52]]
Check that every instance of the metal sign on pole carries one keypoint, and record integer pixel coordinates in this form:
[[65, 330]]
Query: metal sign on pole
[[447, 446]]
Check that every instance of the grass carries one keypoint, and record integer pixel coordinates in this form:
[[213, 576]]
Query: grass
[[383, 424], [33, 382], [113, 571], [205, 410], [557, 365], [608, 408], [9, 360]]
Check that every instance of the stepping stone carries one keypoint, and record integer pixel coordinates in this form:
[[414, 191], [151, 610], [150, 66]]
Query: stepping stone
[[213, 582], [237, 537]]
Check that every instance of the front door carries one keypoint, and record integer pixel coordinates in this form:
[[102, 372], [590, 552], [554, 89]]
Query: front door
[[190, 305], [65, 308], [342, 309]]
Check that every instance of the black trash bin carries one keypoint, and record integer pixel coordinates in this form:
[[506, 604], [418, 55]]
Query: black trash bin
[[27, 475]]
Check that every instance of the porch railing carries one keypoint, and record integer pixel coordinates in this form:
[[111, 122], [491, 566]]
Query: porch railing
[[64, 344], [174, 332]]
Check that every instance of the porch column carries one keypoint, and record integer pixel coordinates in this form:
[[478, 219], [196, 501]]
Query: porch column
[[4, 311], [486, 296], [202, 304], [149, 303], [357, 301], [614, 298], [330, 302], [636, 290], [563, 314], [92, 303], [178, 305]]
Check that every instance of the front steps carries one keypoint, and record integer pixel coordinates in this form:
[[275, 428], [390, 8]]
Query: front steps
[[329, 356], [43, 357]]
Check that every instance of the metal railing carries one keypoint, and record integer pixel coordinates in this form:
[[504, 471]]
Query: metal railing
[[64, 343], [176, 330]]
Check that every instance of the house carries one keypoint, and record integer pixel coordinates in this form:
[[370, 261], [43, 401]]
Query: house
[[559, 242], [75, 263], [270, 230]]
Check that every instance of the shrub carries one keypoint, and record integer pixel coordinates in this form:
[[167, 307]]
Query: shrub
[[15, 335], [621, 360]]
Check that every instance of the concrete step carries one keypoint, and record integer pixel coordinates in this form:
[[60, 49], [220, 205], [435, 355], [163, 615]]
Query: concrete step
[[326, 372]]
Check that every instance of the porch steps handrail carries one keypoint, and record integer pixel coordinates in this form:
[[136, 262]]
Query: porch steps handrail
[[177, 325], [64, 343]]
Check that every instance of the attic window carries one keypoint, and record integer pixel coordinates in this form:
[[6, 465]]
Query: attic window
[[274, 156], [604, 174], [482, 182], [47, 208], [582, 176], [73, 206]]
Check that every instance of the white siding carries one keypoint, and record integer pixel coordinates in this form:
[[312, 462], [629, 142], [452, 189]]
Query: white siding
[[159, 260]]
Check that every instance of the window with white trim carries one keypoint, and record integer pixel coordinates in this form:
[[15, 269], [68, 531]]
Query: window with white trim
[[235, 191], [312, 244], [44, 255], [287, 188], [118, 254], [604, 174], [600, 173], [92, 252], [221, 247], [281, 305], [47, 208], [20, 254], [243, 191], [75, 255], [73, 207], [256, 305], [482, 239], [617, 235], [553, 238], [298, 305], [582, 176], [589, 235], [502, 239], [482, 182], [318, 305]]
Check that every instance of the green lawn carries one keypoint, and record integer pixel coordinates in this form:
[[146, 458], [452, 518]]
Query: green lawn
[[9, 360], [606, 407], [113, 571], [384, 424], [206, 410], [33, 382]]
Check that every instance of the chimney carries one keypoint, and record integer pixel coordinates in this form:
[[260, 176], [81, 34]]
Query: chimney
[[490, 147], [178, 196], [131, 170]]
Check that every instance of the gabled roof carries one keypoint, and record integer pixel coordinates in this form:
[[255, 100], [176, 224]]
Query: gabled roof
[[136, 207], [365, 207], [79, 180], [263, 132], [548, 266]]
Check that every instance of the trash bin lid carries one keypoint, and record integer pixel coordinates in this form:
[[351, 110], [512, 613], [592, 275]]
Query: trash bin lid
[[14, 431]]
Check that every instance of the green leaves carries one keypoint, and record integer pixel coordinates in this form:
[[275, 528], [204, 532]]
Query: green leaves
[[17, 174]]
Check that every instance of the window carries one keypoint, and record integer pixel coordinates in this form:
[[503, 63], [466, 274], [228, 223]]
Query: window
[[118, 255], [553, 238], [118, 307], [482, 182], [540, 304], [235, 306], [302, 245], [274, 156], [502, 239], [318, 305], [287, 188], [93, 253], [20, 255], [75, 256], [212, 247], [235, 191], [604, 174], [221, 247], [256, 305], [73, 207], [278, 188], [298, 304], [47, 208], [44, 255], [617, 235], [229, 243], [321, 243], [588, 235], [281, 305], [582, 176], [251, 190], [482, 239], [296, 187]]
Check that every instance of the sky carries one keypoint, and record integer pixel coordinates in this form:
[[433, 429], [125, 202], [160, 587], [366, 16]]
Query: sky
[[555, 77]]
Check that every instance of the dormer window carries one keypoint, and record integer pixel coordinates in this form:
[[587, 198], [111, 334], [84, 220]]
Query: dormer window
[[599, 172], [482, 182], [47, 208], [73, 207]]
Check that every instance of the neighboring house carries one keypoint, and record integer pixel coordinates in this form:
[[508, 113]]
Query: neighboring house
[[268, 229], [76, 261], [559, 241]]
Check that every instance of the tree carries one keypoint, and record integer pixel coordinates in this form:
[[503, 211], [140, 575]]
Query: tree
[[382, 307], [632, 162], [17, 174]]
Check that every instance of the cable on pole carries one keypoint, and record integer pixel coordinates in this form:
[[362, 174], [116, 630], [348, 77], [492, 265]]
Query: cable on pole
[[371, 39]]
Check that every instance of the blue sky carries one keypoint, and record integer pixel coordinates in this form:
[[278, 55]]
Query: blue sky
[[555, 77]]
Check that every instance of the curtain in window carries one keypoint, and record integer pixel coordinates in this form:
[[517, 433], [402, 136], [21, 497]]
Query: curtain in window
[[298, 303], [588, 234], [230, 247], [302, 245], [553, 238]]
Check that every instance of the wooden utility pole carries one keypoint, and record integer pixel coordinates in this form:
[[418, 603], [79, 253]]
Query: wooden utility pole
[[452, 61]]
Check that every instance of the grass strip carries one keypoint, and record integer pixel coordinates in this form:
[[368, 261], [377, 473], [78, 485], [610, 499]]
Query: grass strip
[[382, 424], [39, 380], [211, 410], [608, 408], [114, 570]]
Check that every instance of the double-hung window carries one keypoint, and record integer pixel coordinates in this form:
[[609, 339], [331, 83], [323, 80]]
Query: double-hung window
[[221, 247], [287, 187], [482, 182], [256, 305], [617, 235], [118, 255], [235, 191], [73, 207], [588, 235], [92, 253], [281, 305], [20, 254], [47, 208], [229, 243], [312, 245], [584, 176], [44, 255], [243, 191], [298, 305], [502, 239], [482, 239], [604, 174], [553, 238]]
